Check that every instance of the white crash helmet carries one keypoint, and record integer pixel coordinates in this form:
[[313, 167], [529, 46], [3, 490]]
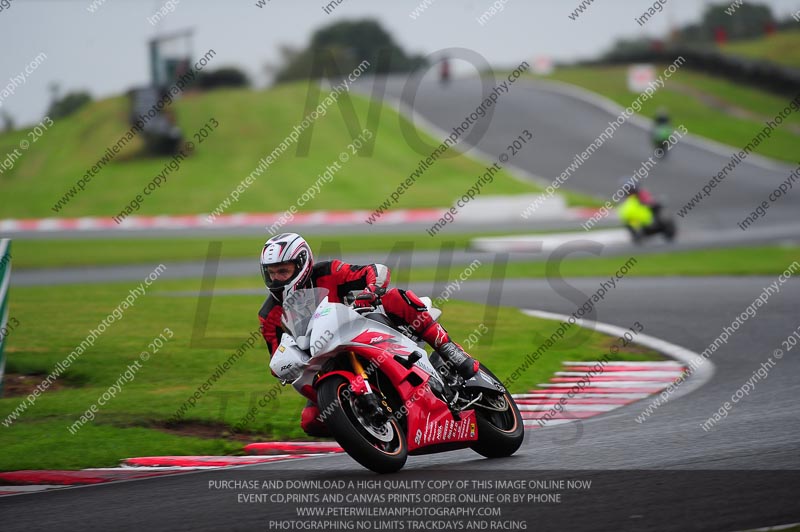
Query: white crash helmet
[[287, 247]]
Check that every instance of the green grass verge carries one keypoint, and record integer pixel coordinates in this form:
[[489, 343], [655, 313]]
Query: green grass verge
[[251, 125], [693, 112], [39, 444], [767, 260], [105, 252], [782, 47], [53, 323]]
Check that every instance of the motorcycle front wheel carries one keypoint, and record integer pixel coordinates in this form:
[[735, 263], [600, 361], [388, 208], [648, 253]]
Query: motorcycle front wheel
[[381, 449]]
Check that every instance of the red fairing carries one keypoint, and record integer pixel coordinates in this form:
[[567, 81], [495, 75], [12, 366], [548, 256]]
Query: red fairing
[[429, 420], [381, 354], [357, 383], [429, 425], [382, 340], [383, 359]]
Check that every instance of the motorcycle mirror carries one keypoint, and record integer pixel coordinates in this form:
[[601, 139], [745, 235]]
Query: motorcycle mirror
[[303, 342]]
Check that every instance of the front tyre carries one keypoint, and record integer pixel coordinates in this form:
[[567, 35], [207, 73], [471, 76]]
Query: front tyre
[[499, 433], [382, 449]]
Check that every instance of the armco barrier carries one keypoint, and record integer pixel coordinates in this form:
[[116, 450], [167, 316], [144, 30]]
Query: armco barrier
[[5, 279], [775, 78]]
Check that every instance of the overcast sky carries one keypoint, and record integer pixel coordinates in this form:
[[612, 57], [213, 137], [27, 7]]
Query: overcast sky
[[105, 52]]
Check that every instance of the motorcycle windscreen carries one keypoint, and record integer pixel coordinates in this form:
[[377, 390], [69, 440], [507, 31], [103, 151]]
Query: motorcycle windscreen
[[299, 308]]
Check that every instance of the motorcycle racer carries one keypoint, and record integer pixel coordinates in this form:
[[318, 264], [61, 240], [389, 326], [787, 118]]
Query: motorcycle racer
[[287, 264], [641, 213], [662, 129]]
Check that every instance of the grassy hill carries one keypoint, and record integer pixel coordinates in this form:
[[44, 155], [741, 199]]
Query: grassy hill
[[251, 125], [782, 47], [708, 106]]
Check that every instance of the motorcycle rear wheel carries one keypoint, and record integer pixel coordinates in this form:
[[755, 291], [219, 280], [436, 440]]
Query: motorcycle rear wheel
[[499, 433], [669, 230], [347, 427]]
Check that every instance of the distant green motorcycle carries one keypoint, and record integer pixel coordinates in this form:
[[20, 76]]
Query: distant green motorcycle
[[662, 131], [660, 136]]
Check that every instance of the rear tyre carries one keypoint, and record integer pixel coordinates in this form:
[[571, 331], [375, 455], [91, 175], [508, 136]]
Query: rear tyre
[[380, 449], [499, 433], [669, 230]]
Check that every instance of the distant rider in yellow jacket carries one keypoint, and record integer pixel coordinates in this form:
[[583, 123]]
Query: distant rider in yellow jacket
[[638, 211]]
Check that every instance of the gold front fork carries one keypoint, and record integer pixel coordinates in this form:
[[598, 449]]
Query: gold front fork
[[357, 367]]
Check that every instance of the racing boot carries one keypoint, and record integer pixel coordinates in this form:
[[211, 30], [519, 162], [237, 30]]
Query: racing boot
[[437, 337], [465, 365], [443, 370]]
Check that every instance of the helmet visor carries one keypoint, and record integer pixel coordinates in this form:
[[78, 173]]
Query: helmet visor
[[279, 275]]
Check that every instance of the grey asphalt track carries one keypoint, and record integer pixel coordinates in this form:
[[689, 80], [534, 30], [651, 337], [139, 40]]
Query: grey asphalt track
[[405, 256], [564, 125]]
